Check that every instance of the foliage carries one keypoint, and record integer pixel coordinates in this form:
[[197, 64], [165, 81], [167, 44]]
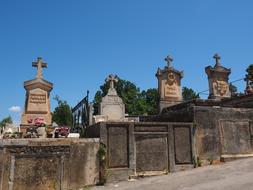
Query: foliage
[[249, 75], [210, 160], [189, 94], [5, 121], [137, 102], [199, 162], [62, 114], [103, 171], [101, 152], [151, 96]]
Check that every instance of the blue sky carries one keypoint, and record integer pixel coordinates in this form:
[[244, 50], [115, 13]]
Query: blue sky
[[85, 40]]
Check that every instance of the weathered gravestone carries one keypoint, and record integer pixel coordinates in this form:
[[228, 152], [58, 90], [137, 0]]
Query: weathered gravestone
[[169, 85], [37, 102], [112, 105], [218, 80]]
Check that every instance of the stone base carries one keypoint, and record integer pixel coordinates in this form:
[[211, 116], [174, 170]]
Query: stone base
[[26, 117], [165, 104], [218, 98], [232, 157]]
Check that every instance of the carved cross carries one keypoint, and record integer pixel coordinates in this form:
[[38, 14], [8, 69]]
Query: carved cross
[[169, 60], [39, 64], [112, 78], [217, 58]]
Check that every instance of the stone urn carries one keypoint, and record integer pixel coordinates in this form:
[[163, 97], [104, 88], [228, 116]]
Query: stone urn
[[42, 133]]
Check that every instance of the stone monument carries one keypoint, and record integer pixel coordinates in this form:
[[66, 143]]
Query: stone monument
[[112, 105], [37, 102], [218, 80], [169, 85]]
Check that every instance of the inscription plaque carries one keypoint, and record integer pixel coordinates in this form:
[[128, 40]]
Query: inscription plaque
[[151, 153], [182, 138], [235, 137], [41, 179], [171, 90], [118, 146], [38, 98]]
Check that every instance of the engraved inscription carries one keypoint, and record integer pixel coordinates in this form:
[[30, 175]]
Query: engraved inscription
[[171, 87], [171, 91], [38, 98]]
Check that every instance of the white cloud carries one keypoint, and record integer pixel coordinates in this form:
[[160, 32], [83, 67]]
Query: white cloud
[[15, 109]]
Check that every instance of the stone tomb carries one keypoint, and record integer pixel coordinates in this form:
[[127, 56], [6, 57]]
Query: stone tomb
[[37, 103], [169, 85], [144, 148], [112, 105], [46, 164], [218, 80]]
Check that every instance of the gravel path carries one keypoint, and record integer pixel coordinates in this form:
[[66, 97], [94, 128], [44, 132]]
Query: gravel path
[[236, 175]]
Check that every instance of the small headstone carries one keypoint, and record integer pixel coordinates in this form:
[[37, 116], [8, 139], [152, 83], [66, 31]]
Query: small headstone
[[169, 85], [112, 105], [218, 80]]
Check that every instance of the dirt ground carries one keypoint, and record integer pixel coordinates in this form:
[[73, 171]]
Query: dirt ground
[[236, 175]]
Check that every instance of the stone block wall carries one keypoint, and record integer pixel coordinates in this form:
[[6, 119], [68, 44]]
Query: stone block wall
[[144, 148], [48, 164], [223, 131], [218, 130]]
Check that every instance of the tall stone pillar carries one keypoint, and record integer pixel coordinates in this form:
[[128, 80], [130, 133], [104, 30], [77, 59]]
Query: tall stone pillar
[[169, 85], [218, 77]]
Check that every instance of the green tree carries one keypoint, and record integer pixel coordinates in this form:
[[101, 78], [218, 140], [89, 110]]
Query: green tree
[[152, 101], [136, 102], [249, 75], [5, 121], [62, 114], [189, 94]]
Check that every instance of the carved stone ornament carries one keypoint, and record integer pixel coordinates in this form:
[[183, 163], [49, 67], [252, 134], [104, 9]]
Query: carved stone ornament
[[171, 79], [221, 87]]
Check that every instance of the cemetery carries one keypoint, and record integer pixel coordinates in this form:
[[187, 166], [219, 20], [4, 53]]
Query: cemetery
[[112, 146]]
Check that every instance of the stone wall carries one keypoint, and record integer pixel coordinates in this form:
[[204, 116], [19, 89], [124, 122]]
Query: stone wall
[[48, 164], [223, 131], [218, 130], [144, 148]]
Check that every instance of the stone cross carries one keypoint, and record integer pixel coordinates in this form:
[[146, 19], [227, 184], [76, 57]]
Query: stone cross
[[39, 64], [112, 78], [169, 60], [217, 59]]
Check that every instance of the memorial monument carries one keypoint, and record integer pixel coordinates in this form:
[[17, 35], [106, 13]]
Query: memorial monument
[[37, 102], [218, 80], [169, 85], [112, 105]]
